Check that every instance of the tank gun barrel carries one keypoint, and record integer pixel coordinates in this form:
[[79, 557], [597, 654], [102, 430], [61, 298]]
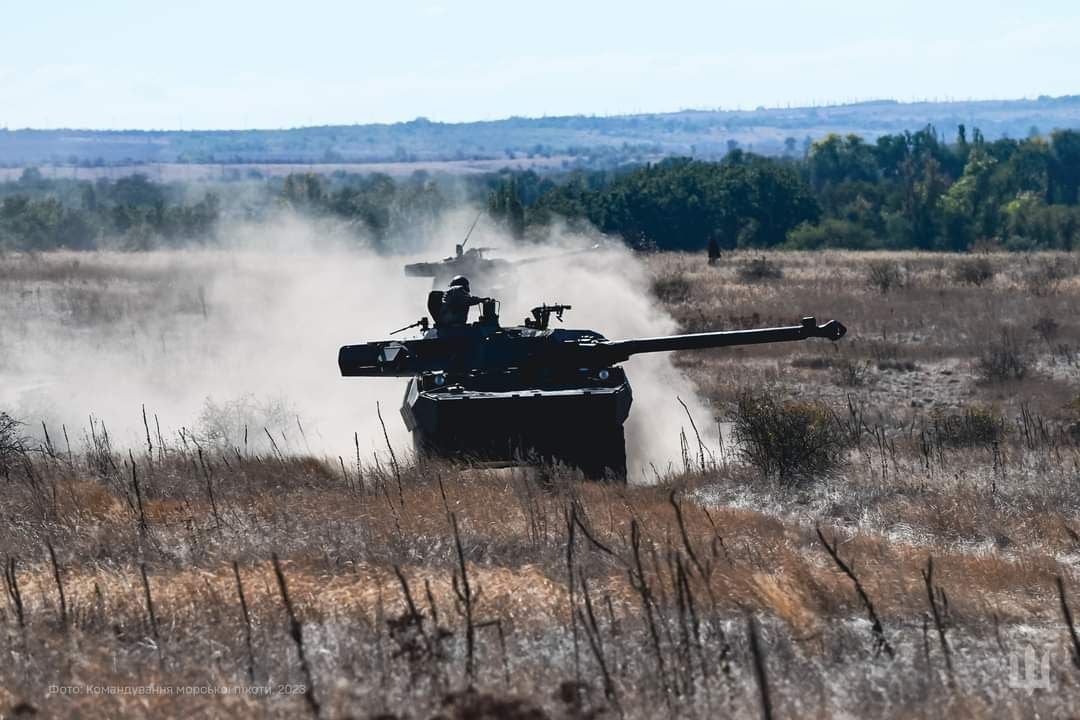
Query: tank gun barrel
[[484, 347], [557, 256], [619, 350]]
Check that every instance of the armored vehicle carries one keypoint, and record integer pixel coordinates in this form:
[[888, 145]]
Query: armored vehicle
[[469, 262], [530, 392], [486, 272]]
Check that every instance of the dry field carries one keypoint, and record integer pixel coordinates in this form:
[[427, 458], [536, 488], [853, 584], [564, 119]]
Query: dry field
[[201, 172], [923, 569]]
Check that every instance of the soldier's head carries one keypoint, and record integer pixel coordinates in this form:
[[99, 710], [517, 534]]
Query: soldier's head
[[460, 281]]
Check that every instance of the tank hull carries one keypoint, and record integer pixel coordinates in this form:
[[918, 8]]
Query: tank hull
[[582, 428]]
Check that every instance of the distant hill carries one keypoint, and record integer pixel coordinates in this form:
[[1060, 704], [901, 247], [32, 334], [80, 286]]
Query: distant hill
[[590, 140]]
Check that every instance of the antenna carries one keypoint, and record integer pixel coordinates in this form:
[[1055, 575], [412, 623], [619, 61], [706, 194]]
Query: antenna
[[471, 228]]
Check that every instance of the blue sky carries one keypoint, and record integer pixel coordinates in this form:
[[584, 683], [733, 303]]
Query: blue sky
[[242, 64]]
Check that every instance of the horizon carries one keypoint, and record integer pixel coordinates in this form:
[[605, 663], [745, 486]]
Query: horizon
[[645, 113], [122, 65]]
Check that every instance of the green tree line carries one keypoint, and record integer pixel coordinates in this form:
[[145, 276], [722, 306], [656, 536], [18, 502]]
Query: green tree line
[[909, 190]]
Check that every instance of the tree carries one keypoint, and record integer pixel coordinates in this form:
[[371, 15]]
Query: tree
[[304, 189], [504, 205], [1065, 166], [834, 160], [686, 204], [961, 203]]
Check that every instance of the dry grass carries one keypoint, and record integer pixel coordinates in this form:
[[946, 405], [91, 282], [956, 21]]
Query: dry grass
[[592, 600], [341, 546]]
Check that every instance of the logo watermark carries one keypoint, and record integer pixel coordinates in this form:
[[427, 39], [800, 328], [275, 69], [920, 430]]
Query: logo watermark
[[1030, 670]]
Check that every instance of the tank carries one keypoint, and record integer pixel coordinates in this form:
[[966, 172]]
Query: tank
[[531, 392], [484, 272], [471, 263]]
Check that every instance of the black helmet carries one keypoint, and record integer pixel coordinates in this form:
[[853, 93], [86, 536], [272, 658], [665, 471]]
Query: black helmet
[[460, 281]]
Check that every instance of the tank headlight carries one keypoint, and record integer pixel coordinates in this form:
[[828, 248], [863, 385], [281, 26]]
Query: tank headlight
[[603, 374], [440, 380]]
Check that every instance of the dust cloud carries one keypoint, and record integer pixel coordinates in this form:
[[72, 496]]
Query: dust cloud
[[228, 344], [610, 292]]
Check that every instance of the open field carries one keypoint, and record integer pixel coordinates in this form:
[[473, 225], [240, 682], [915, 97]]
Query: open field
[[343, 584], [201, 172]]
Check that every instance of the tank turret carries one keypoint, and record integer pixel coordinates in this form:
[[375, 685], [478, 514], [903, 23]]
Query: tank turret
[[489, 392]]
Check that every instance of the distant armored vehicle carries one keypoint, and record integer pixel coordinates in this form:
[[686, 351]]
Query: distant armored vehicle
[[484, 271], [469, 262], [487, 392]]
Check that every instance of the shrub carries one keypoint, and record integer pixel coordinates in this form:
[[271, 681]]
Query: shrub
[[1072, 418], [812, 363], [1004, 359], [232, 423], [760, 268], [898, 365], [831, 233], [973, 427], [672, 289], [975, 271], [1046, 277], [883, 351], [12, 443], [885, 275], [850, 373], [793, 442], [1047, 328]]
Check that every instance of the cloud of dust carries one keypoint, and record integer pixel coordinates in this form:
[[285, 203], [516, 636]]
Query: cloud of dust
[[247, 333], [610, 292], [210, 340]]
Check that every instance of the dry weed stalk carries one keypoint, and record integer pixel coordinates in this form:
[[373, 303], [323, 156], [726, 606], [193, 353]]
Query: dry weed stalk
[[59, 585], [11, 583], [1075, 649], [247, 621], [571, 524], [758, 657], [143, 527], [936, 610], [150, 611], [881, 643], [359, 472], [466, 603], [640, 583], [205, 467], [420, 648], [693, 426], [596, 644], [296, 632], [393, 457], [149, 445]]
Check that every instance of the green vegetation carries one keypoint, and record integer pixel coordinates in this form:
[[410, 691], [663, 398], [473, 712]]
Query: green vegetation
[[904, 191], [131, 213], [909, 191]]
